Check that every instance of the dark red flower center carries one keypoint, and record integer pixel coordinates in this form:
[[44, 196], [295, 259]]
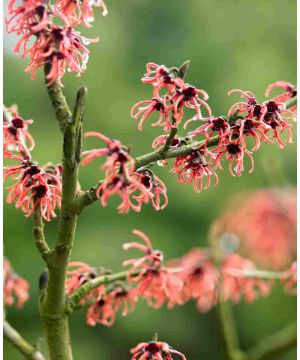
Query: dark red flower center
[[219, 124], [189, 93], [39, 191], [152, 347], [233, 149]]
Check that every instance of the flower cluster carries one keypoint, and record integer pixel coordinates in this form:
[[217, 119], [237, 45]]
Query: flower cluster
[[268, 235], [154, 350], [228, 136], [59, 47], [15, 288], [134, 187], [34, 187]]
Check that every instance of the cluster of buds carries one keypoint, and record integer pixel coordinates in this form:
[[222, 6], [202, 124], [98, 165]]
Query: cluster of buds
[[35, 188], [60, 48], [134, 187], [195, 276], [15, 288]]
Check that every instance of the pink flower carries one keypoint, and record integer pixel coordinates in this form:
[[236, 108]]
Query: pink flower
[[290, 91], [155, 186], [236, 285], [130, 190], [34, 188], [251, 107], [213, 125], [289, 279], [27, 17], [194, 168], [103, 310], [62, 48], [79, 276], [277, 116], [156, 284], [15, 133], [80, 11], [235, 153], [15, 287], [154, 350], [115, 152], [247, 127], [146, 107], [187, 96]]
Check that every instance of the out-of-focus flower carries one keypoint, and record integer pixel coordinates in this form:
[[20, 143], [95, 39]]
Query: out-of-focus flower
[[235, 285], [154, 350], [199, 276], [289, 279], [15, 287], [16, 136], [194, 168], [80, 11], [265, 222]]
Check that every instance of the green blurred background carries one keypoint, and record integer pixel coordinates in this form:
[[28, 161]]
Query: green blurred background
[[231, 44]]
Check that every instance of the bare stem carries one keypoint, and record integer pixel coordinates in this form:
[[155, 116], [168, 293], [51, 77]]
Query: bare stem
[[27, 350], [54, 302], [273, 344]]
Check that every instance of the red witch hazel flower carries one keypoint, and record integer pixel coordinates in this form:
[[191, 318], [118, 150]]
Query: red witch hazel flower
[[290, 91], [251, 106], [34, 187], [156, 284], [213, 125], [15, 287], [103, 310], [234, 152], [156, 187], [194, 168], [154, 350], [78, 274], [80, 11], [15, 132]]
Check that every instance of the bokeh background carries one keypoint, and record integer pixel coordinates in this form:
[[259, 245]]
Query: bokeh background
[[231, 44]]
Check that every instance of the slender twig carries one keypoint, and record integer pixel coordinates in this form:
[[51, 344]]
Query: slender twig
[[273, 344], [89, 197], [85, 289], [39, 236], [27, 350]]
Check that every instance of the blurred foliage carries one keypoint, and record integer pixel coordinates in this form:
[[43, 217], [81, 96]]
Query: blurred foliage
[[231, 44]]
